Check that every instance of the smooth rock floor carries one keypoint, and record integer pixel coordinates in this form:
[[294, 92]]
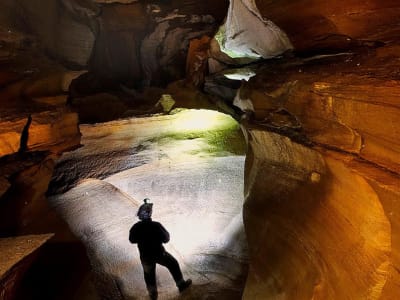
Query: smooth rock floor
[[188, 166], [199, 201]]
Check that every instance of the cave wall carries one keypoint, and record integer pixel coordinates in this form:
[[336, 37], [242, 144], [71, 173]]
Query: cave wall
[[122, 41], [314, 25], [322, 172], [325, 229]]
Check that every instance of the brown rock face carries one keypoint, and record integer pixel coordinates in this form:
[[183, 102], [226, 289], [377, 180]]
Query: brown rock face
[[348, 103], [314, 25], [323, 232], [35, 126], [146, 43], [196, 62], [10, 137], [61, 27], [325, 219]]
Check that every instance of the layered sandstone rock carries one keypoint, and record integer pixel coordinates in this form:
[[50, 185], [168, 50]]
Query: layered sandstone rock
[[31, 140], [314, 25], [17, 255], [322, 177], [141, 44], [352, 106], [319, 219]]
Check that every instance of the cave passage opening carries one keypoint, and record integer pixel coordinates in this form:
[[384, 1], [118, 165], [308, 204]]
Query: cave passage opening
[[190, 163]]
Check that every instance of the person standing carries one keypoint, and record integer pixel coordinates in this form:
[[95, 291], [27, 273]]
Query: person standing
[[149, 236]]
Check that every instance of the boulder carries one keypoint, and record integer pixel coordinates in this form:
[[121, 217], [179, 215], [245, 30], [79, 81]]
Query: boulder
[[247, 35]]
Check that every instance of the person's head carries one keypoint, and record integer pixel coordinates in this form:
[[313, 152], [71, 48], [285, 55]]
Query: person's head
[[145, 210]]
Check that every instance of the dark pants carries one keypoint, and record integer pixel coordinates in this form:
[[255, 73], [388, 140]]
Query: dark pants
[[166, 260]]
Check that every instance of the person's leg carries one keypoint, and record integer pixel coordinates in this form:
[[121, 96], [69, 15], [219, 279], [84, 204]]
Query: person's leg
[[168, 261], [149, 271]]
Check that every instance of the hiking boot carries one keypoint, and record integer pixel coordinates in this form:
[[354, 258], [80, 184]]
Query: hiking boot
[[184, 285]]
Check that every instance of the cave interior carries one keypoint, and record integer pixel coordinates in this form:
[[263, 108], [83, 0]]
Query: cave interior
[[265, 133]]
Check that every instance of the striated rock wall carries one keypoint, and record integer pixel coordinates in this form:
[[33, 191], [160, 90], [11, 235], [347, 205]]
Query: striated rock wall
[[349, 102], [322, 177], [317, 227], [322, 181], [315, 25]]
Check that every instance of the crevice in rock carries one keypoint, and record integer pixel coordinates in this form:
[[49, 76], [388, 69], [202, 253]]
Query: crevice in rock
[[25, 135]]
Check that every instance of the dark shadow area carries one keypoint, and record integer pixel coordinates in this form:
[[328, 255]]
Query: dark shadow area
[[58, 272]]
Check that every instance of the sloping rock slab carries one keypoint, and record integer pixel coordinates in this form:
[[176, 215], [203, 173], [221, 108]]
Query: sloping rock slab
[[206, 228]]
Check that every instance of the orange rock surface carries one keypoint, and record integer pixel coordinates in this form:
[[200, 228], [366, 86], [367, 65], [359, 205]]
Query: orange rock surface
[[325, 25], [325, 207], [326, 225]]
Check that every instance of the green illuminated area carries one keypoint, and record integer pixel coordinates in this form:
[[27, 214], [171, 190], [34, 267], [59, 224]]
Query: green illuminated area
[[203, 132]]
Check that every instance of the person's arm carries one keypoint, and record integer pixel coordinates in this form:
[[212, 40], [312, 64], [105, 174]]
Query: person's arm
[[164, 234], [133, 235]]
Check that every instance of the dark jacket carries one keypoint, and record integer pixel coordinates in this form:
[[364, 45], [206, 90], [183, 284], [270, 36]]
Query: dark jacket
[[149, 236]]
